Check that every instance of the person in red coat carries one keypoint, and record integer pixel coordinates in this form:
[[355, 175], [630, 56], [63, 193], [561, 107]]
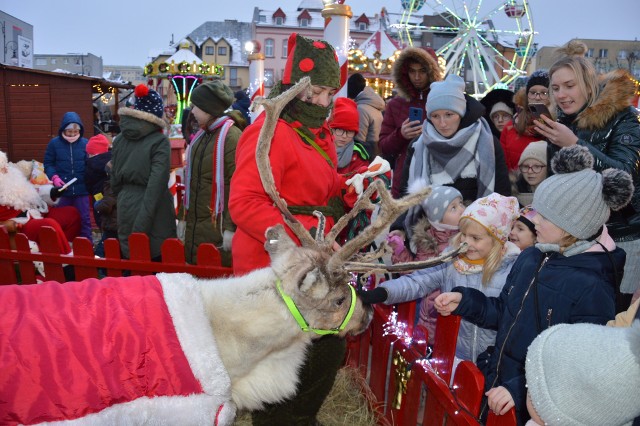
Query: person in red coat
[[413, 72], [304, 163], [344, 124]]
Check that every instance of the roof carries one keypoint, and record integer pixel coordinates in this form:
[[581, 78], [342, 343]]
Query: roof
[[104, 83], [184, 55], [379, 42], [234, 32]]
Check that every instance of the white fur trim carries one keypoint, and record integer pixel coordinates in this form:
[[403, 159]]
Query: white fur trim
[[142, 115], [17, 192]]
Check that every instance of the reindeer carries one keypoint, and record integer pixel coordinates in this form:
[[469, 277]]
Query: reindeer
[[244, 338]]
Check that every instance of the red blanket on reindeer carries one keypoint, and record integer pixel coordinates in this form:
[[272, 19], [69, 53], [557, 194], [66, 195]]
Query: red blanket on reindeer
[[111, 351]]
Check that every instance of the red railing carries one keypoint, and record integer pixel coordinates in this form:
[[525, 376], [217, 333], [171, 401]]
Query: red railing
[[16, 264], [411, 388]]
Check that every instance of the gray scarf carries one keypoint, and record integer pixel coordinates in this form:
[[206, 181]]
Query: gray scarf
[[439, 161], [344, 154]]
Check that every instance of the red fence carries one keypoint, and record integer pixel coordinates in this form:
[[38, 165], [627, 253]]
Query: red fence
[[411, 388], [16, 265]]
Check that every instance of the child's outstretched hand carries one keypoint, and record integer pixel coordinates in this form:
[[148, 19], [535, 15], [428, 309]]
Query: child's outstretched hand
[[499, 400], [447, 303]]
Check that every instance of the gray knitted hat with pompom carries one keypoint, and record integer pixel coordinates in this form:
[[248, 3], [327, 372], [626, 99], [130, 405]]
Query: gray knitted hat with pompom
[[577, 199]]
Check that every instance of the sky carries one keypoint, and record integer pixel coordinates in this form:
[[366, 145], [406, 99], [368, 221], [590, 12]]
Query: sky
[[124, 32]]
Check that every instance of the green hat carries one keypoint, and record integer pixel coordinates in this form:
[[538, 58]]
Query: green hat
[[213, 97], [316, 59]]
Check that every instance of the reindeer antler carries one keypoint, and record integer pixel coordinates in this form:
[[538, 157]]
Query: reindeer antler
[[273, 108], [390, 209]]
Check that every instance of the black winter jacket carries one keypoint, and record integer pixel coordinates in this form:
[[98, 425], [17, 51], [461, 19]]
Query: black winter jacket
[[573, 289], [610, 129]]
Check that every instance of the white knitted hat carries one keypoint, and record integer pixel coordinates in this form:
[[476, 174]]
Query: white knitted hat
[[585, 374]]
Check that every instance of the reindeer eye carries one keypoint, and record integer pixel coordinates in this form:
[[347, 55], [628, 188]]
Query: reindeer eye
[[340, 301]]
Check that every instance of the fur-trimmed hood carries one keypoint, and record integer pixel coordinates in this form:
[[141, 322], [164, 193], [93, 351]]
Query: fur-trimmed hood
[[400, 74], [617, 88], [145, 116]]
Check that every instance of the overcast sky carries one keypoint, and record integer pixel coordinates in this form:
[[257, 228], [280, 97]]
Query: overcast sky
[[124, 32]]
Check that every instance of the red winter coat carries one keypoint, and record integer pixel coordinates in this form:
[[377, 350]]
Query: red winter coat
[[513, 144], [302, 177], [109, 351]]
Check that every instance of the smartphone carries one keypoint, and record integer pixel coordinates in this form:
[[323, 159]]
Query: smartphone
[[539, 109], [415, 114]]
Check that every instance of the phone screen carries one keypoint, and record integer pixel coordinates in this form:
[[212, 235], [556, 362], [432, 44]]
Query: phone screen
[[415, 114]]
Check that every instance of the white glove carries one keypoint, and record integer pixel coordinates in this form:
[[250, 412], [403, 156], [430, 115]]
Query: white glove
[[379, 166], [227, 237]]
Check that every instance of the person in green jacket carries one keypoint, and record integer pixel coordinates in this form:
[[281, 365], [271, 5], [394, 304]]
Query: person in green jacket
[[210, 165], [141, 161]]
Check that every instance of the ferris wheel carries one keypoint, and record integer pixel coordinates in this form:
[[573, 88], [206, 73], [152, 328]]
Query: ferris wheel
[[488, 43]]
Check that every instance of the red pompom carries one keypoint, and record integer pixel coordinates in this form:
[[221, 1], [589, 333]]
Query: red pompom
[[319, 45], [141, 90], [306, 65]]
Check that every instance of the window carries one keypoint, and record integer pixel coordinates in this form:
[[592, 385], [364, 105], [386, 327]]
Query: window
[[53, 61], [304, 22], [603, 53], [268, 78], [362, 26], [285, 45], [233, 77], [269, 47], [262, 18], [222, 50], [41, 61], [589, 53], [208, 50], [279, 20], [66, 60]]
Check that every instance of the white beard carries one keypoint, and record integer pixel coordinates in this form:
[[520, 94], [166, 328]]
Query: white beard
[[18, 193]]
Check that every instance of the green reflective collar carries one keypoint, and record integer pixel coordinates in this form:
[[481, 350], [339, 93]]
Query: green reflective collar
[[303, 323]]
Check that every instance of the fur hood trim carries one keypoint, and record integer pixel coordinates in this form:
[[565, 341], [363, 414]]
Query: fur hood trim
[[401, 77], [145, 116], [421, 238], [617, 87]]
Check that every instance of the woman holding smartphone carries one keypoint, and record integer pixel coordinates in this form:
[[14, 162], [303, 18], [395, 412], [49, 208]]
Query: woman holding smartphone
[[598, 114]]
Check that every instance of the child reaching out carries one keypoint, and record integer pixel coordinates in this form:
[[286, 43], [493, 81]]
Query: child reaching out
[[570, 276], [428, 238], [484, 226], [523, 233]]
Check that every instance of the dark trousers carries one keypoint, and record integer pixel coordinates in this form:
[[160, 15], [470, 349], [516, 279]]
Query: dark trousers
[[317, 375]]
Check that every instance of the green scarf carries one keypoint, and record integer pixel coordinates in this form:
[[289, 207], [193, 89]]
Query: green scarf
[[309, 115]]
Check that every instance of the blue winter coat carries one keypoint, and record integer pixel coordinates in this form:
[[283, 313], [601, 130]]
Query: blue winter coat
[[472, 340], [573, 289], [67, 160]]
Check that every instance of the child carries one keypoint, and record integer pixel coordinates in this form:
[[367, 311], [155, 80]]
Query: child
[[484, 226], [97, 181], [570, 275], [533, 170], [584, 374], [523, 233], [64, 160], [428, 238], [344, 124]]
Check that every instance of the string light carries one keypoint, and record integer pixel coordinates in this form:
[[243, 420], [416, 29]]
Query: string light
[[105, 97]]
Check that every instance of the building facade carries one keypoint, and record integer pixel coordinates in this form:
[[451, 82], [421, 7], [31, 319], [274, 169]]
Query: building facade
[[76, 63], [17, 41]]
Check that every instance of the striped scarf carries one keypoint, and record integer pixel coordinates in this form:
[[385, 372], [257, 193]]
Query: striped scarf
[[217, 193]]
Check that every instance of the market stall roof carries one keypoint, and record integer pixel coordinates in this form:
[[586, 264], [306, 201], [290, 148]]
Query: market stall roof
[[379, 42]]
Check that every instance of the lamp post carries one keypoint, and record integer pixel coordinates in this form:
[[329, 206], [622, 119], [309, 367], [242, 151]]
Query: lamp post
[[14, 47], [256, 73]]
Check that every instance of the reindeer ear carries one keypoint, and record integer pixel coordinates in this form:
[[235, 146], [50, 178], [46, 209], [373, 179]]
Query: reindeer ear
[[277, 240], [314, 284]]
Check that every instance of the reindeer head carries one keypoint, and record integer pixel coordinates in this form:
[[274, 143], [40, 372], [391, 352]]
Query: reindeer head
[[314, 275], [323, 297]]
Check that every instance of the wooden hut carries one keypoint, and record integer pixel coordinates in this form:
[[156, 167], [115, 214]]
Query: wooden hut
[[32, 103]]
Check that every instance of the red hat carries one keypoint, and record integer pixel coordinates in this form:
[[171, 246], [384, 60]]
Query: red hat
[[345, 115], [98, 144]]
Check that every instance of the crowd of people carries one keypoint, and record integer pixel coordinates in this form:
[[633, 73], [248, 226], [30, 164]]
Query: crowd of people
[[546, 205]]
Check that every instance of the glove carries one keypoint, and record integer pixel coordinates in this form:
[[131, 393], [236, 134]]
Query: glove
[[396, 242], [54, 193], [227, 237], [377, 167], [377, 295], [57, 181]]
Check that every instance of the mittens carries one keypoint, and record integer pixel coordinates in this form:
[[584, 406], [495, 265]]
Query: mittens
[[57, 181]]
